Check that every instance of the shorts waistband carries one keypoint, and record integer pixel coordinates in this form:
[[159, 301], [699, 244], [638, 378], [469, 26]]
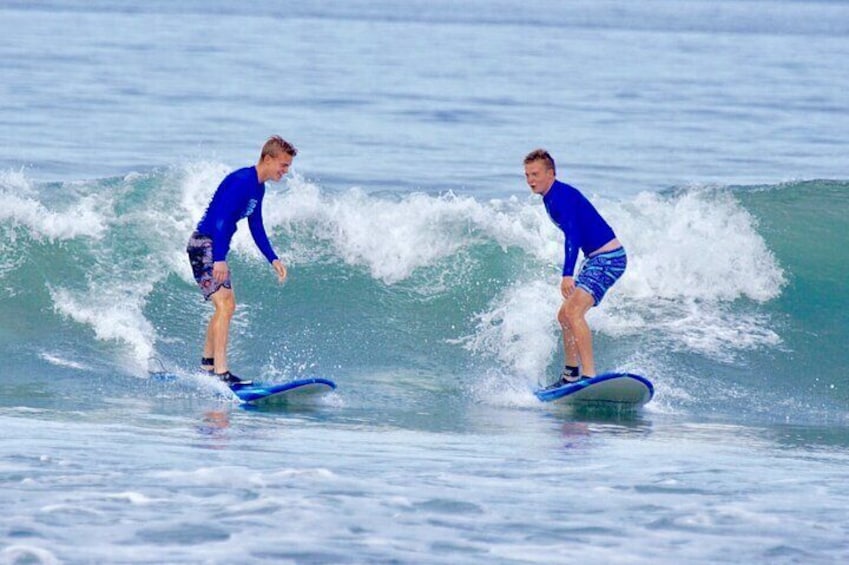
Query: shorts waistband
[[612, 254]]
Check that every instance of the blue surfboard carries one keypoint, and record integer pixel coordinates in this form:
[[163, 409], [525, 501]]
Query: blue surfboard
[[293, 390], [610, 388], [257, 393]]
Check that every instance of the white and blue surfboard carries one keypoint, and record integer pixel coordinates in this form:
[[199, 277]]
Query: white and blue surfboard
[[623, 389]]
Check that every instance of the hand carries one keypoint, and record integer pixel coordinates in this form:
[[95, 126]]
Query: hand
[[567, 287], [220, 271], [280, 268]]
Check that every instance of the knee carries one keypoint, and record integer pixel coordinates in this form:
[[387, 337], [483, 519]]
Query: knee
[[225, 305], [563, 317], [568, 315]]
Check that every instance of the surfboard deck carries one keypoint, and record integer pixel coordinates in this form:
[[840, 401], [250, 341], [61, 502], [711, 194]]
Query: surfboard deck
[[624, 389], [299, 389]]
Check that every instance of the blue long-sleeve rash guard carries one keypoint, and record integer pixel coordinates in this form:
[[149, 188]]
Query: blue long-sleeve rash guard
[[581, 223], [238, 196]]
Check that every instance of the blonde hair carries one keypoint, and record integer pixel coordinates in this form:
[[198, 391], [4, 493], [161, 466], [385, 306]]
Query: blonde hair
[[541, 155], [276, 145]]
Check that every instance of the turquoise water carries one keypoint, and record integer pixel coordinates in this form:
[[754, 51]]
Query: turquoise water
[[423, 280]]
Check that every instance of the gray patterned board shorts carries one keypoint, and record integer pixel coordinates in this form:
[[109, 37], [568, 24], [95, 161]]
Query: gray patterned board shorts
[[199, 249], [599, 272]]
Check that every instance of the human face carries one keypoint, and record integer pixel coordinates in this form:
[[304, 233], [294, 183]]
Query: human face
[[279, 166], [539, 177]]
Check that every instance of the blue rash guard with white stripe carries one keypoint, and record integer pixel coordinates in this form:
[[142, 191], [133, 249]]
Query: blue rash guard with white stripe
[[238, 196], [581, 223]]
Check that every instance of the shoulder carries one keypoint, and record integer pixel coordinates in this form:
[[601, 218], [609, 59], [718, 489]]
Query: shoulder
[[572, 194], [566, 188], [246, 174], [561, 191], [241, 178]]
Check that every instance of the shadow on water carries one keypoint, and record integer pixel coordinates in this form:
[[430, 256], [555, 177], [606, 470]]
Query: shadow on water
[[614, 413], [577, 424]]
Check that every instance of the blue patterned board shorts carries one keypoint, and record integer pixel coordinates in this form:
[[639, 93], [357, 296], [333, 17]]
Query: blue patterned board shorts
[[599, 272], [199, 249]]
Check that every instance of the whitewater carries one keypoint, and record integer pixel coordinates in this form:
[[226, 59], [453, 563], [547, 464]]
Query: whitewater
[[423, 279]]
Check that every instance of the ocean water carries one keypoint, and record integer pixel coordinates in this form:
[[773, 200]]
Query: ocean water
[[424, 281]]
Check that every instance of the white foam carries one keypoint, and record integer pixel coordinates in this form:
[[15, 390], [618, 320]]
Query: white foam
[[499, 388], [393, 237], [79, 210], [114, 314], [136, 498], [390, 238], [223, 475], [313, 473], [519, 330], [692, 255], [699, 244], [59, 361], [161, 224], [173, 203], [178, 202], [19, 204]]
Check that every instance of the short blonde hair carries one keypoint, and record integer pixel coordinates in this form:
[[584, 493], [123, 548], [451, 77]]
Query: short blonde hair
[[541, 155], [275, 146]]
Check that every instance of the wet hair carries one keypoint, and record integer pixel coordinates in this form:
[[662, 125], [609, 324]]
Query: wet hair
[[541, 155], [275, 146]]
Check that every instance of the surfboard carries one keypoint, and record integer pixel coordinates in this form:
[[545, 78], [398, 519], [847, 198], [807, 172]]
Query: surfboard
[[257, 393], [300, 389], [624, 389]]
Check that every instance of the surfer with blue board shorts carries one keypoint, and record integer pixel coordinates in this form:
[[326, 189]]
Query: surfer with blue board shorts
[[604, 261], [238, 196]]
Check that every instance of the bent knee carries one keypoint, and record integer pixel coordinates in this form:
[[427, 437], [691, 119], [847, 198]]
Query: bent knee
[[566, 315], [570, 313], [225, 302]]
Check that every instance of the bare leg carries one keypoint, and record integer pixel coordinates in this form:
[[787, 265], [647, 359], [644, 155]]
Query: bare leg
[[209, 345], [218, 331], [572, 318], [570, 349]]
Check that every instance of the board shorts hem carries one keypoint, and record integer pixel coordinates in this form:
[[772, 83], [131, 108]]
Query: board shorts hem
[[599, 272], [199, 249]]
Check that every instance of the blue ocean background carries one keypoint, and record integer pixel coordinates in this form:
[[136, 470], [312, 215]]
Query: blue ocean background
[[424, 281]]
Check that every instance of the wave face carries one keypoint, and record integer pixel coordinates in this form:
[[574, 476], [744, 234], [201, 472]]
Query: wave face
[[731, 293]]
